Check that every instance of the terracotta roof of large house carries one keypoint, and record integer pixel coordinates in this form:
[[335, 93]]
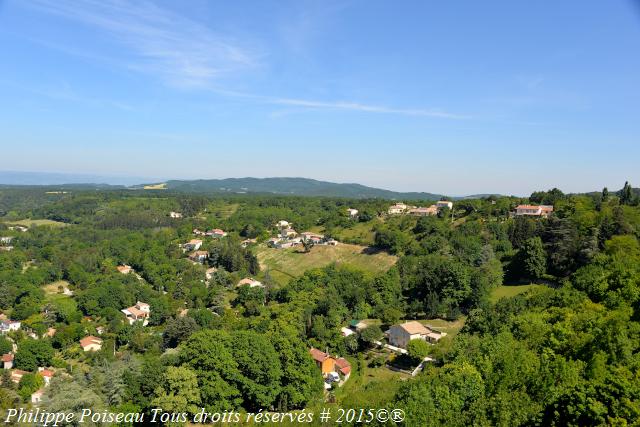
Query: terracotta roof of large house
[[7, 357], [319, 356], [87, 341], [343, 365]]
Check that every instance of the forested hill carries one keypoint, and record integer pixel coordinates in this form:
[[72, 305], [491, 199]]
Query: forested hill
[[293, 186]]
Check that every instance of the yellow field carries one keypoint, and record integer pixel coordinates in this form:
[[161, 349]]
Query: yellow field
[[161, 186], [284, 264], [36, 222]]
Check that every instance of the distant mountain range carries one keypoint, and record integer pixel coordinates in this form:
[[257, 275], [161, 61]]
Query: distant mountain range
[[280, 186]]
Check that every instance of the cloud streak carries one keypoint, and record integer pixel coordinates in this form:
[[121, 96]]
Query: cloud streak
[[182, 51], [185, 53]]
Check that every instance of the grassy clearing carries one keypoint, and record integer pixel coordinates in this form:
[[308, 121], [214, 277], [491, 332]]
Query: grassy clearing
[[36, 222], [508, 291], [284, 264], [451, 328], [361, 232], [52, 288], [222, 210]]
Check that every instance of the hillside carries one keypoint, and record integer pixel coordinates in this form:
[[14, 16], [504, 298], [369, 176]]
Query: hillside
[[293, 186]]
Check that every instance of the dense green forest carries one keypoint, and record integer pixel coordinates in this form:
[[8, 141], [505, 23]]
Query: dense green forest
[[564, 352]]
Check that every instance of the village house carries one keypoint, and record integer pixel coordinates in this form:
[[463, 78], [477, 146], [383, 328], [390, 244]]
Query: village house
[[17, 374], [125, 269], [138, 313], [217, 233], [400, 335], [532, 210], [6, 240], [50, 332], [47, 374], [352, 212], [36, 396], [252, 283], [336, 369], [6, 248], [283, 224], [100, 330], [7, 361], [9, 326], [20, 228], [283, 243], [91, 343], [444, 204], [198, 232], [398, 208], [175, 214], [199, 256], [192, 245], [422, 211], [208, 274], [287, 233], [312, 237]]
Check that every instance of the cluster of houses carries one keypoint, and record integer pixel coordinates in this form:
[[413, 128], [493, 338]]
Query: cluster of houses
[[216, 233], [333, 369], [288, 237], [542, 211], [401, 208], [5, 243]]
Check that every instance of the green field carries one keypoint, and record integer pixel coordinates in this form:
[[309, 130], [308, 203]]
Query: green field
[[284, 264], [508, 291], [36, 222], [361, 232], [451, 328]]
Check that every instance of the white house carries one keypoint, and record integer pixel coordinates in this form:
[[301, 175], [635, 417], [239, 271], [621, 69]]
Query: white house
[[217, 233], [444, 204], [91, 343], [199, 256], [9, 326], [398, 208], [352, 212], [175, 214], [138, 313], [7, 361], [431, 210], [400, 335], [36, 396], [532, 210], [6, 240], [192, 245]]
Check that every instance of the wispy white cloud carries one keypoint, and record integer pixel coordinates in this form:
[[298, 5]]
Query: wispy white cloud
[[182, 51], [354, 106], [185, 53]]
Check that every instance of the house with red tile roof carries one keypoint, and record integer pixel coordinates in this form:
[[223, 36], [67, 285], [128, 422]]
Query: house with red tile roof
[[138, 313], [534, 210], [7, 360], [91, 343]]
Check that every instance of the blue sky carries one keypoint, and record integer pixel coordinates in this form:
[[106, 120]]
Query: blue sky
[[450, 97]]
